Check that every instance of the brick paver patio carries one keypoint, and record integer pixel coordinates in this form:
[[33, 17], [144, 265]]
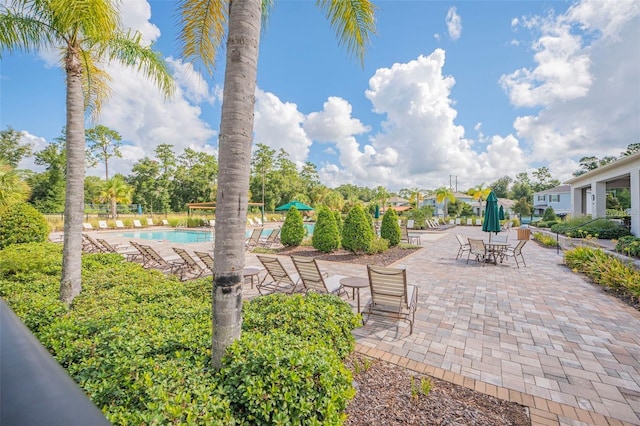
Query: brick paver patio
[[542, 335]]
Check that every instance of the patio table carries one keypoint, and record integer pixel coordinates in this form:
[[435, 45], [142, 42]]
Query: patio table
[[495, 250]]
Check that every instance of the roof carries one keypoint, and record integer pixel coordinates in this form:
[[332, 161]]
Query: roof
[[557, 189], [619, 162], [400, 208], [396, 199]]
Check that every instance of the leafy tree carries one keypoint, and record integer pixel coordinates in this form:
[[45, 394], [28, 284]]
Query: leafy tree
[[92, 189], [591, 163], [631, 149], [545, 181], [88, 35], [416, 197], [501, 187], [521, 187], [203, 29], [292, 232], [334, 201], [261, 165], [193, 178], [523, 207], [48, 188], [116, 191], [145, 179], [103, 143], [357, 233], [11, 150], [13, 189], [389, 229], [338, 217], [326, 234]]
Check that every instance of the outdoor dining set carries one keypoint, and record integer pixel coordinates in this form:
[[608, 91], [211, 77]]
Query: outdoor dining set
[[492, 252]]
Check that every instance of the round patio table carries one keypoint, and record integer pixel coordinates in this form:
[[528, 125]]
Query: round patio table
[[251, 272], [355, 284]]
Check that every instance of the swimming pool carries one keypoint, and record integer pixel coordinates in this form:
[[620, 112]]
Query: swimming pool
[[183, 236]]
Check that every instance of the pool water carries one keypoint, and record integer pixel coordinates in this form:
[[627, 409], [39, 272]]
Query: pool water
[[183, 236]]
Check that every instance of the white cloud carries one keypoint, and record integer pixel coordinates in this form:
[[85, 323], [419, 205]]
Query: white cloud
[[193, 85], [454, 23], [279, 125], [135, 16], [37, 144]]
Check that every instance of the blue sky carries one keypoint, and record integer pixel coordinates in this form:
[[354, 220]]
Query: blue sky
[[474, 89]]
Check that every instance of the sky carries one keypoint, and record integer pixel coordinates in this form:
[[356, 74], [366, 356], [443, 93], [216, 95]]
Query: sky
[[450, 92]]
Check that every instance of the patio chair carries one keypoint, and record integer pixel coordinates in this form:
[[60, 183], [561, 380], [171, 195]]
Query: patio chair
[[507, 226], [137, 224], [478, 250], [410, 223], [253, 240], [499, 238], [277, 278], [87, 226], [271, 240], [110, 248], [150, 222], [515, 252], [120, 224], [405, 237], [89, 245], [464, 246], [165, 222], [391, 295], [138, 256], [206, 258], [314, 280], [258, 221], [102, 224], [190, 266], [153, 260]]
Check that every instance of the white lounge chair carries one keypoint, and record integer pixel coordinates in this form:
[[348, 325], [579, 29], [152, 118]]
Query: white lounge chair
[[87, 226], [150, 222], [120, 225], [102, 224], [137, 224]]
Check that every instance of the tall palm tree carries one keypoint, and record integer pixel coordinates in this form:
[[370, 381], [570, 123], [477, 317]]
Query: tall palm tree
[[203, 28], [444, 194], [12, 188], [479, 193], [115, 191], [88, 35]]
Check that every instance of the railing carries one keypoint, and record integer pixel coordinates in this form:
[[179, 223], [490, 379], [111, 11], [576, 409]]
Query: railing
[[36, 390]]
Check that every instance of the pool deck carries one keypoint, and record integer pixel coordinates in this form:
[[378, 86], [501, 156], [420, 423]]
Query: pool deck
[[539, 335]]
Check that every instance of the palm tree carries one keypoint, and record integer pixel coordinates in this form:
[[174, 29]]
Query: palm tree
[[115, 191], [13, 189], [444, 194], [88, 34], [203, 29], [417, 196], [479, 193]]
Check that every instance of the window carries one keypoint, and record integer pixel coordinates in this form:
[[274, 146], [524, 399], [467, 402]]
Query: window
[[541, 197], [554, 198]]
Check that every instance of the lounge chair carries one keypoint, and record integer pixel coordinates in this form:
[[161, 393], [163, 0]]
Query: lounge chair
[[478, 250], [124, 250], [251, 222], [150, 222], [189, 267], [120, 225], [314, 280], [410, 224], [258, 221], [137, 224], [464, 246], [405, 237], [212, 223], [515, 252], [249, 273], [89, 245], [206, 258], [391, 295], [152, 259], [138, 256], [165, 222], [271, 240], [253, 240], [87, 226], [102, 224], [277, 278], [458, 221]]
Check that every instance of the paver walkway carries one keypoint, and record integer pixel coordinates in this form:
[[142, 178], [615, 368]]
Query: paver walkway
[[541, 335]]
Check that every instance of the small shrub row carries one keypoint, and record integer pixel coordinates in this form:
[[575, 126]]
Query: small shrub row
[[357, 232], [326, 234], [629, 245], [604, 229], [544, 239], [605, 269], [389, 229]]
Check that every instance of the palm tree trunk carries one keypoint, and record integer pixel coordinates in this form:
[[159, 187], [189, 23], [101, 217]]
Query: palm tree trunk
[[71, 282], [234, 144]]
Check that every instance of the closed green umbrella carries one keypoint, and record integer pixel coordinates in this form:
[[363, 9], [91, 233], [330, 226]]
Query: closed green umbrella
[[491, 215], [376, 214], [298, 205], [501, 213]]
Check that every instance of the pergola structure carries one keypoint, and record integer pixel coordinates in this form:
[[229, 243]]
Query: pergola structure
[[589, 190]]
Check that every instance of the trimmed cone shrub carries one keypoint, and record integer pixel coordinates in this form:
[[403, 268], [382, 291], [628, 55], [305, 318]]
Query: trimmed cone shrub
[[549, 215], [338, 217], [357, 233], [279, 378], [292, 232], [326, 235], [21, 224], [390, 230]]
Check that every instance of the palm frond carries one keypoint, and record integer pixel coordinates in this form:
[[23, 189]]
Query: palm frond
[[353, 21], [128, 50], [19, 32], [93, 19], [203, 24], [95, 83]]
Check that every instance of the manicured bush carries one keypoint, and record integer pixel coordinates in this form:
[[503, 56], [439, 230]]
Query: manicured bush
[[326, 235], [357, 233], [293, 231], [549, 214], [338, 217], [545, 240], [21, 223], [314, 317], [378, 245], [578, 228], [390, 230], [279, 378], [629, 245]]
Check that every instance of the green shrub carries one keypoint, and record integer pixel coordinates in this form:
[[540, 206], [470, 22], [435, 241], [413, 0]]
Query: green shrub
[[378, 245], [293, 231], [579, 228], [545, 240], [314, 317], [21, 223], [629, 245], [279, 378], [605, 269], [357, 233], [389, 229], [31, 258], [549, 215], [326, 235], [338, 217]]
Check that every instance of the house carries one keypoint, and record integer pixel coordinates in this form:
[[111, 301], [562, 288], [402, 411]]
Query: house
[[438, 208], [589, 190], [558, 198]]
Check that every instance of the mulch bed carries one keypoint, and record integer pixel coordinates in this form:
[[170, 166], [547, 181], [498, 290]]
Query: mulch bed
[[390, 256]]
